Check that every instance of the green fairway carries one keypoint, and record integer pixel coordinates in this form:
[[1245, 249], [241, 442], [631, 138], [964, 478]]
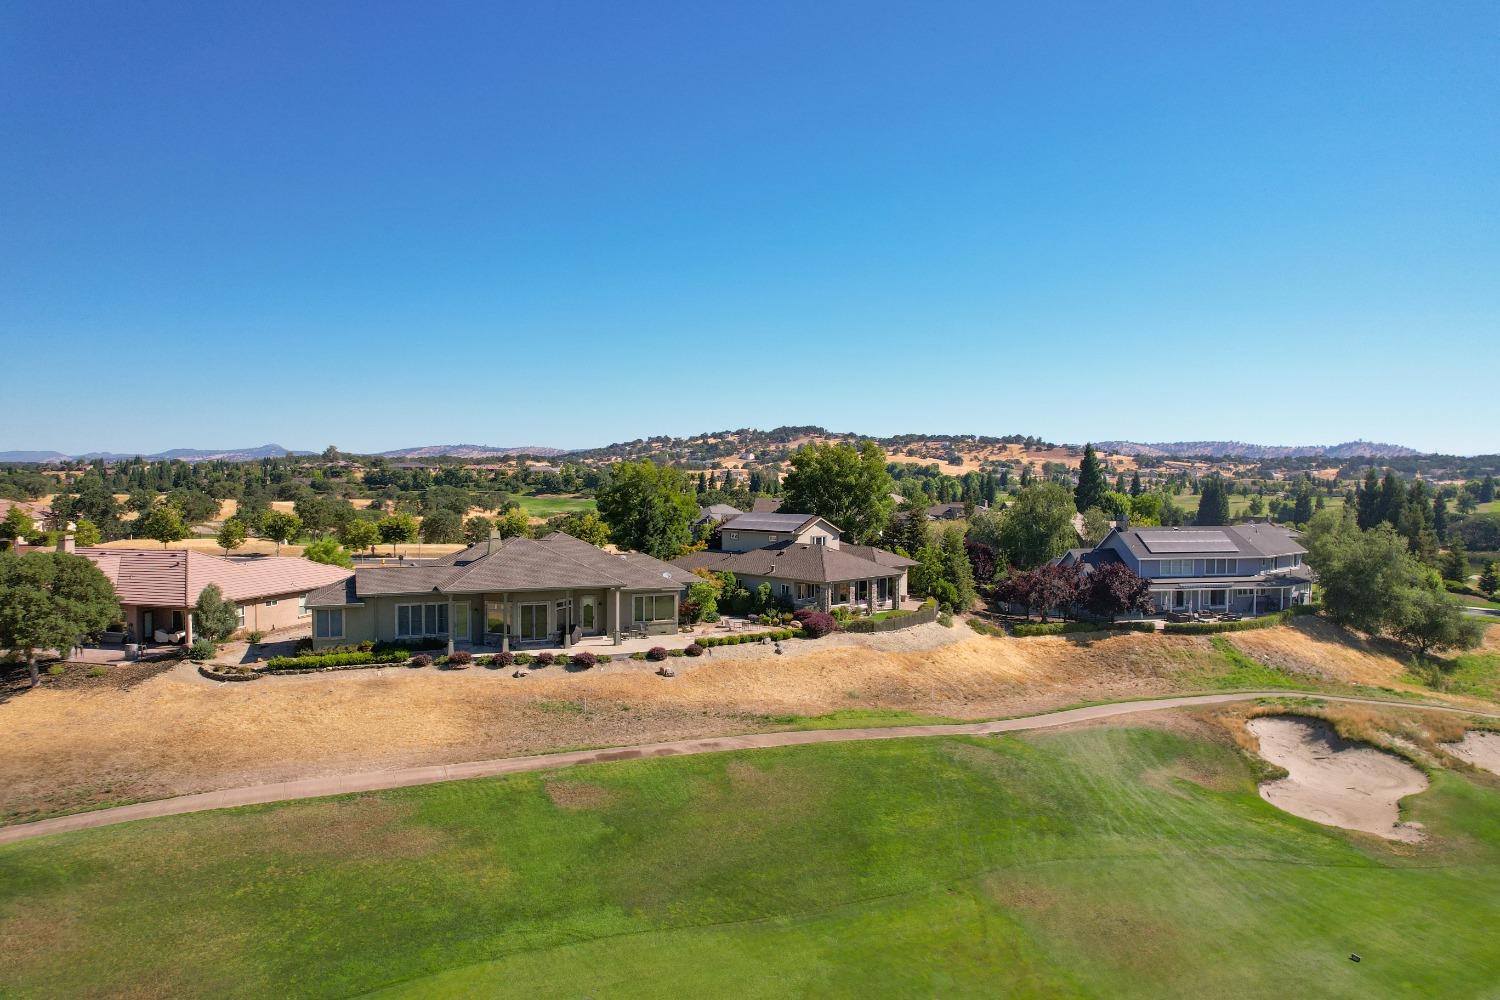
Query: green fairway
[[551, 506], [1100, 862]]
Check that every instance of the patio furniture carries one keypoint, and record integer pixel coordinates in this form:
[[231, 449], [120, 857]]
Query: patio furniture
[[170, 638]]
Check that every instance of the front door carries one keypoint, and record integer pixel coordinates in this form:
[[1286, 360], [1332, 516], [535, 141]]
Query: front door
[[588, 614], [148, 626], [461, 621]]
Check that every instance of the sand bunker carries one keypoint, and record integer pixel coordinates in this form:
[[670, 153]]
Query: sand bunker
[[1335, 782], [1482, 749]]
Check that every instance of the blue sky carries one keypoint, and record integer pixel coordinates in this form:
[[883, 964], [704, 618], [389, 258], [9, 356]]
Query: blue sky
[[381, 225]]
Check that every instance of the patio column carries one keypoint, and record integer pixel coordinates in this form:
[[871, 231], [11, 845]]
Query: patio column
[[870, 595], [450, 626], [505, 623], [614, 625]]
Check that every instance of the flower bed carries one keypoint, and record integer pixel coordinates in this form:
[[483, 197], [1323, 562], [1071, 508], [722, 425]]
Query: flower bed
[[894, 620], [215, 672], [709, 641], [1029, 629], [1244, 625], [334, 661]]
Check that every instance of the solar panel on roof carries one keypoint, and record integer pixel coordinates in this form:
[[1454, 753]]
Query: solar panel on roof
[[1188, 541]]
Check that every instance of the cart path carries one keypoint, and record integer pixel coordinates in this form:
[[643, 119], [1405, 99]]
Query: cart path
[[368, 781]]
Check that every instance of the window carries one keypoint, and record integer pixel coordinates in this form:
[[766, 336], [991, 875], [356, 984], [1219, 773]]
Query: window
[[1177, 567], [786, 590], [533, 621], [272, 604], [806, 591], [773, 538], [653, 608], [820, 540], [734, 534], [1244, 592], [302, 606], [328, 624], [418, 620], [1218, 567], [239, 615]]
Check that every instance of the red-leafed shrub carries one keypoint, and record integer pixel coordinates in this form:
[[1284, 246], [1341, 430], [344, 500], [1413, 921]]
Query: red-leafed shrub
[[421, 660], [656, 653], [544, 659], [694, 649], [817, 624], [584, 659], [460, 658], [504, 659]]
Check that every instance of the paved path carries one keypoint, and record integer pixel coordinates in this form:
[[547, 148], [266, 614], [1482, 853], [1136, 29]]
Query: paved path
[[368, 781]]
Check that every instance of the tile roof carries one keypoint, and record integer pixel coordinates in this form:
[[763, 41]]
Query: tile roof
[[175, 577], [798, 561], [556, 562]]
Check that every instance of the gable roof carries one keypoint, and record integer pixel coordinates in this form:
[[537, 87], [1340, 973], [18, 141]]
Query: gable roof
[[556, 562], [718, 512], [799, 561], [765, 505], [788, 523], [175, 577]]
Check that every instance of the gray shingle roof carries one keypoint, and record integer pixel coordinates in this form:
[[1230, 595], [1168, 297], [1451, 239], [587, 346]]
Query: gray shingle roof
[[557, 562], [795, 561], [1257, 540], [771, 522]]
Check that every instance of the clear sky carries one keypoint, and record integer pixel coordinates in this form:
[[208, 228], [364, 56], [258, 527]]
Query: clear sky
[[381, 225]]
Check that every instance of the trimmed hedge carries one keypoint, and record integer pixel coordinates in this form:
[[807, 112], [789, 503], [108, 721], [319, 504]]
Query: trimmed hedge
[[709, 641], [330, 661], [928, 612], [1245, 625], [1029, 629]]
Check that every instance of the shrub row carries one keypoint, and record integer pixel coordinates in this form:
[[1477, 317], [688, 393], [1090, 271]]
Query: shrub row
[[324, 661], [1245, 625], [1028, 629], [709, 641], [905, 619]]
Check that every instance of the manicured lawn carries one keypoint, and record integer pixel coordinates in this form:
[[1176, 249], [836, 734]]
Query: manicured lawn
[[551, 506], [1104, 862]]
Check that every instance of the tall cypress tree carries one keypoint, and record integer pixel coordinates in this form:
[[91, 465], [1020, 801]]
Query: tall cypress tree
[[1135, 483], [1440, 518], [1091, 482], [1392, 499], [1368, 514], [1213, 501]]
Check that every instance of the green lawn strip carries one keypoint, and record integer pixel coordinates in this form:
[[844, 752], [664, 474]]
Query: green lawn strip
[[1475, 674], [1107, 861], [551, 506]]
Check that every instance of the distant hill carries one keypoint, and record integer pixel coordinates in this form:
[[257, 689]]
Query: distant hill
[[184, 454], [469, 451], [1239, 449]]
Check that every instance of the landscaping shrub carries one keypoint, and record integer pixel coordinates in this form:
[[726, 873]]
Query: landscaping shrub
[[1248, 624], [1029, 629], [656, 653], [817, 624], [694, 649], [985, 628], [504, 659], [56, 670], [254, 637], [544, 659], [421, 660], [522, 659], [945, 618], [323, 661], [603, 657], [584, 659], [99, 671], [460, 658], [677, 652], [642, 656], [201, 650]]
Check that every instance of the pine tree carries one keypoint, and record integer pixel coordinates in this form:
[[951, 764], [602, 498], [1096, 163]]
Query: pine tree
[[1489, 580], [1392, 500], [1487, 490], [1369, 501], [1091, 482], [1135, 483], [1440, 518], [1456, 562]]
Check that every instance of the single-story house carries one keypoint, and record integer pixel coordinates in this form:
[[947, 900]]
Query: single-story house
[[556, 589], [951, 511], [1247, 568], [159, 587], [806, 563], [765, 505]]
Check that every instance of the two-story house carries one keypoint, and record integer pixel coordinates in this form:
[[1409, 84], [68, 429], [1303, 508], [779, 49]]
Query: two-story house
[[1246, 568], [805, 561]]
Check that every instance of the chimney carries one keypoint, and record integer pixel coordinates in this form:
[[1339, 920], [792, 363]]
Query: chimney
[[1123, 524], [65, 541], [492, 543]]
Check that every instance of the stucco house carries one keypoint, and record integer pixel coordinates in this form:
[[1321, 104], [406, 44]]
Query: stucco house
[[552, 590], [806, 563], [1246, 568], [159, 587]]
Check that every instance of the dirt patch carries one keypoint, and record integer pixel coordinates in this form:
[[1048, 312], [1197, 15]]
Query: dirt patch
[[578, 795], [1317, 649], [1480, 748], [1333, 781]]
